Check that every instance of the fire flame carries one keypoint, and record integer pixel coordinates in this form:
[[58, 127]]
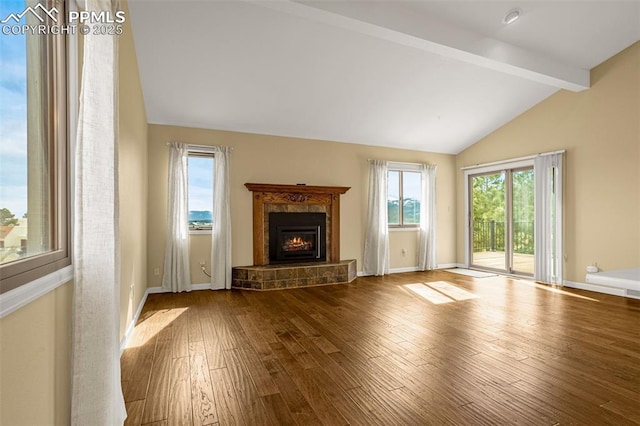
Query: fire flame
[[297, 244]]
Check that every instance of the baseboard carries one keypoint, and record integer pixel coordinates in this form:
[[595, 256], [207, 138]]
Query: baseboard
[[402, 270], [449, 265], [416, 269], [201, 286], [598, 288], [393, 271], [127, 335]]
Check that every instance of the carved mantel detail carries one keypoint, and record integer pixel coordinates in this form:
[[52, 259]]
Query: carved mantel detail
[[297, 197], [264, 194]]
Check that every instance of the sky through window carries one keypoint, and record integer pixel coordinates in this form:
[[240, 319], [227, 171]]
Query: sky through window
[[13, 116]]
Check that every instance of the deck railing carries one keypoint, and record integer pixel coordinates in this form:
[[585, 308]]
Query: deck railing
[[490, 236]]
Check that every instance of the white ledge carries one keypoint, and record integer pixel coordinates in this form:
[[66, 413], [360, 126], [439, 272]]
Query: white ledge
[[15, 299]]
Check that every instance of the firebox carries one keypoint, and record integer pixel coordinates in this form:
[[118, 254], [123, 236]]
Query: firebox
[[297, 237]]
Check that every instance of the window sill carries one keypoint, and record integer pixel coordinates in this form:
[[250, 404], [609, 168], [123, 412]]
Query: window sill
[[404, 229], [200, 232], [15, 299]]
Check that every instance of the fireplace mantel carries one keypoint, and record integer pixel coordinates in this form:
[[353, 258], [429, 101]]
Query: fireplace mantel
[[295, 195]]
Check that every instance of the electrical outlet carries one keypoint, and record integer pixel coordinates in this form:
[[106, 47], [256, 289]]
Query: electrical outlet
[[202, 263], [156, 271]]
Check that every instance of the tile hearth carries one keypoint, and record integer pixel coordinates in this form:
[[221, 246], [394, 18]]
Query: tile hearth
[[283, 276]]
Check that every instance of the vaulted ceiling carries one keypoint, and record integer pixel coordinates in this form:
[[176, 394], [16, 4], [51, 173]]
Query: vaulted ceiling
[[426, 75]]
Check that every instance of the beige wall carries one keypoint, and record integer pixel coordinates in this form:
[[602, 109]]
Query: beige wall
[[271, 159], [600, 129], [35, 361], [403, 249], [132, 172]]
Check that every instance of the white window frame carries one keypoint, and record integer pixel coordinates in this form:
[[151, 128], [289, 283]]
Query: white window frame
[[502, 166], [403, 167], [202, 151], [28, 279]]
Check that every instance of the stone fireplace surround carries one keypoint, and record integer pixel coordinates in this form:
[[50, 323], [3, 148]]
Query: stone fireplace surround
[[269, 198]]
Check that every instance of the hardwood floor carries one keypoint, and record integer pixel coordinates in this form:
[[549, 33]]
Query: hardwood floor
[[378, 351]]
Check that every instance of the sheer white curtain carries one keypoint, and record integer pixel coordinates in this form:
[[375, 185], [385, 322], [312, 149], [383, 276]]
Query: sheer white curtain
[[96, 395], [376, 243], [548, 218], [427, 241], [221, 233], [177, 276]]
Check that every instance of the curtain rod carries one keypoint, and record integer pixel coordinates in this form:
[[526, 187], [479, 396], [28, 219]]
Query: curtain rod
[[512, 160], [207, 147], [401, 162]]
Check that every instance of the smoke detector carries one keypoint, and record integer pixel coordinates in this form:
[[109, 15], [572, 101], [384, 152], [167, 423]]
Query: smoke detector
[[512, 16]]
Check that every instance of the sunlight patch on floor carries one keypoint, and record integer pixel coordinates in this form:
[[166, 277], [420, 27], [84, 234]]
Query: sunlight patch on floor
[[439, 292], [153, 325], [555, 290], [451, 290]]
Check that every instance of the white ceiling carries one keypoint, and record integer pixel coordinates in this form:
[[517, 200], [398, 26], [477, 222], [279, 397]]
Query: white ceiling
[[432, 76]]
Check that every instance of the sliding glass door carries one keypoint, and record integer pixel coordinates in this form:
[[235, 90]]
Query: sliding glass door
[[488, 219], [501, 220], [522, 221]]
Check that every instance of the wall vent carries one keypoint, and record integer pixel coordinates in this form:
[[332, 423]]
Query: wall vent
[[633, 293]]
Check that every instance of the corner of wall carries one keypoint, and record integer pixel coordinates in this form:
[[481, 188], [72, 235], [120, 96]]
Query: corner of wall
[[132, 172]]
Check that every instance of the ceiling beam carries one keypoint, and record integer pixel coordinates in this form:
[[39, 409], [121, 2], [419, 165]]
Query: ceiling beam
[[394, 22]]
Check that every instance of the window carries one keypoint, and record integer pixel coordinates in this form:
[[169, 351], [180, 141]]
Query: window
[[34, 140], [200, 175], [404, 198]]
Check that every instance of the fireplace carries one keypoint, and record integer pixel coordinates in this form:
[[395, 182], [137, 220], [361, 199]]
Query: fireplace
[[294, 199], [297, 237]]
